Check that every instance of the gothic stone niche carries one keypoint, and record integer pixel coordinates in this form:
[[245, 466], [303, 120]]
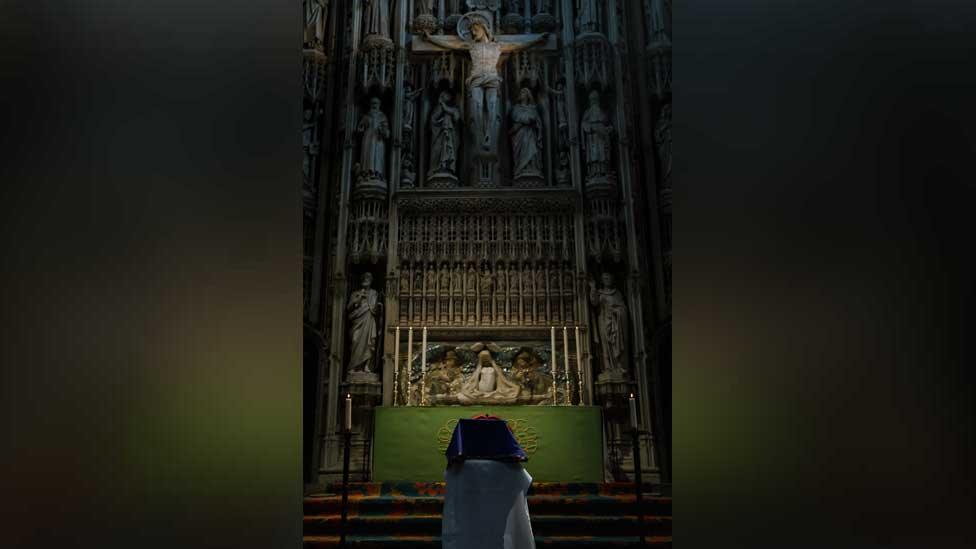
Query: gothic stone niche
[[594, 61]]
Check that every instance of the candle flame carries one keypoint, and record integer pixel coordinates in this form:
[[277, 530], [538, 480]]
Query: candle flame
[[631, 395]]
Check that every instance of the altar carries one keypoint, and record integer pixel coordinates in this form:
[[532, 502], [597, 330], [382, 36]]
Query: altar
[[562, 442]]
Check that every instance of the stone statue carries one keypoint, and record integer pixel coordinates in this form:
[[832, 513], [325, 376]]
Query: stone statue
[[662, 138], [443, 147], [485, 283], [562, 119], [404, 282], [588, 16], [363, 312], [484, 115], [487, 384], [526, 136], [597, 132], [456, 279], [316, 12], [375, 130], [409, 109], [444, 378], [445, 280], [376, 18], [471, 280], [535, 385], [612, 325]]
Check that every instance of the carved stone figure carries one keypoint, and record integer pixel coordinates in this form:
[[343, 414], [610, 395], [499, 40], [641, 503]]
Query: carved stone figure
[[588, 15], [484, 115], [562, 119], [376, 17], [316, 13], [409, 109], [445, 280], [612, 325], [487, 384], [404, 282], [444, 378], [484, 285], [534, 384], [375, 130], [471, 280], [443, 148], [363, 313], [597, 132], [526, 134]]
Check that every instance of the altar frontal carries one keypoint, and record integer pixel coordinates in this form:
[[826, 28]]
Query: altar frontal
[[562, 442]]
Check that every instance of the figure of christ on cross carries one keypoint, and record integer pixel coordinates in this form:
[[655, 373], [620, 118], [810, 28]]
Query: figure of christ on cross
[[484, 114]]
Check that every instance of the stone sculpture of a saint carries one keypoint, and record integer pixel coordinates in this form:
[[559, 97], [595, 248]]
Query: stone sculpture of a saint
[[444, 137], [363, 315], [377, 17], [374, 128], [612, 325], [597, 131], [526, 134]]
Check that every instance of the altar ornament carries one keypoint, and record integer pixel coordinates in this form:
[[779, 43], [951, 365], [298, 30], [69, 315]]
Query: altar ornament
[[396, 366], [409, 371], [552, 361], [633, 411], [423, 368], [579, 365], [569, 397]]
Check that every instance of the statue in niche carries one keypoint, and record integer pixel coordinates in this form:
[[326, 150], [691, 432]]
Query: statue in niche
[[311, 150], [430, 281], [404, 282], [375, 130], [588, 16], [409, 109], [456, 279], [501, 280], [471, 280], [445, 280], [418, 284], [526, 136], [487, 384], [484, 115], [597, 132], [484, 285], [363, 313], [443, 147], [316, 12], [662, 138], [376, 18], [611, 325], [444, 379], [562, 119], [535, 385], [540, 280]]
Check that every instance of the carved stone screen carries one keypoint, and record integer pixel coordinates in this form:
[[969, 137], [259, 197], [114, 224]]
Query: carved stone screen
[[487, 215]]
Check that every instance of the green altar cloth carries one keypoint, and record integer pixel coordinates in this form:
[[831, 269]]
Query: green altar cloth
[[564, 443]]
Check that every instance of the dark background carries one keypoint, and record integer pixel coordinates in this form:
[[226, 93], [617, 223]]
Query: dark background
[[151, 290]]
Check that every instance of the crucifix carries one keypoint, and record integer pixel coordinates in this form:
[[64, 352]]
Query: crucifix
[[475, 37]]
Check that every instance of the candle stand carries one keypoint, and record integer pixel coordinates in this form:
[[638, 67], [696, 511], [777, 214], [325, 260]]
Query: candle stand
[[635, 434], [346, 446]]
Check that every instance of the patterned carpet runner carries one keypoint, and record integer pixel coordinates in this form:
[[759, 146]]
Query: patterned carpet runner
[[564, 515]]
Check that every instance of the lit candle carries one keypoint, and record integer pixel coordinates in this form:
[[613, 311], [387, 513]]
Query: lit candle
[[552, 361], [569, 397], [423, 369], [348, 424], [396, 366], [409, 369], [579, 366], [633, 411]]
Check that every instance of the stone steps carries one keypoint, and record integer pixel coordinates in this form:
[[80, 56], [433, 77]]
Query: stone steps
[[408, 515]]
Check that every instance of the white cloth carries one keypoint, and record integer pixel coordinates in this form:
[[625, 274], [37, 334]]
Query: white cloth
[[485, 506]]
